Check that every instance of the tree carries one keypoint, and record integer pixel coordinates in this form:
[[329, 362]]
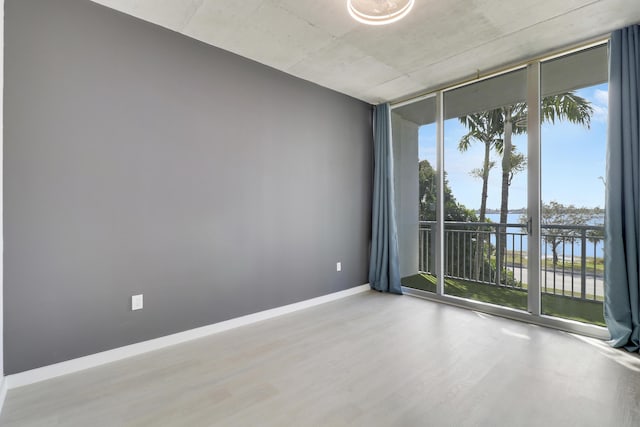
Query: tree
[[495, 128], [480, 173], [555, 215], [564, 106], [427, 194], [453, 210], [485, 127]]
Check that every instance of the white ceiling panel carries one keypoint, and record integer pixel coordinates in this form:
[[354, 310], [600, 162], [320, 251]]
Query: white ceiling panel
[[439, 42], [216, 22], [172, 14], [329, 15], [269, 34], [330, 65]]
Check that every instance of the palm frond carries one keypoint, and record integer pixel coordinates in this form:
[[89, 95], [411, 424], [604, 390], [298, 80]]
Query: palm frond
[[567, 106]]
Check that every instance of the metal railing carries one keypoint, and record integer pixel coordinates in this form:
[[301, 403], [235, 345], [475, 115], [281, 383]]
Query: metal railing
[[496, 254]]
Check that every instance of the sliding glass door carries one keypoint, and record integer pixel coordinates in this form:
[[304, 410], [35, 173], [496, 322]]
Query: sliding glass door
[[507, 198], [485, 147], [574, 92]]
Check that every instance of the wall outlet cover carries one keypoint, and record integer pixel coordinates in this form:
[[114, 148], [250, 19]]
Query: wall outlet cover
[[136, 302]]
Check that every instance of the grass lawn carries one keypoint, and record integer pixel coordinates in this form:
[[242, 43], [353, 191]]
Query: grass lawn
[[552, 305], [519, 258]]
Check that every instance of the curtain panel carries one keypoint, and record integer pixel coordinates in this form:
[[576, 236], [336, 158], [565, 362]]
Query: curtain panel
[[384, 267], [622, 215]]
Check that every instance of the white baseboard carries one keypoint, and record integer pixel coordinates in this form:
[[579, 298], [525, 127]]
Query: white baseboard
[[74, 365]]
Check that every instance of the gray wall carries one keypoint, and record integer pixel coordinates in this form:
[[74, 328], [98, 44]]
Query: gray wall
[[140, 161]]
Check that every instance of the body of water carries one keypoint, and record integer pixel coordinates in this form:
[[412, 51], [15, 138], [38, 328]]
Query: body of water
[[517, 240]]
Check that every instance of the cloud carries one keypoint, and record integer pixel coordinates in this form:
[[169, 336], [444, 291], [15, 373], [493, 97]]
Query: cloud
[[600, 105], [601, 97], [600, 114]]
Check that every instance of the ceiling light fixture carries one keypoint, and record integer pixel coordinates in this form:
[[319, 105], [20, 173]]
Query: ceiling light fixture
[[379, 12]]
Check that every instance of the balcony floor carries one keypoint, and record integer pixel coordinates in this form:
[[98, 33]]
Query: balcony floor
[[558, 305]]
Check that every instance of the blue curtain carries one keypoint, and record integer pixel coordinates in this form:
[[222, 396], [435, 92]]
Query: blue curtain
[[622, 215], [384, 267]]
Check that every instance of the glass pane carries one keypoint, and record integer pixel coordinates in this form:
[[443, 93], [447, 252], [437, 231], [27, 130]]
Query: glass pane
[[485, 149], [573, 138], [414, 141]]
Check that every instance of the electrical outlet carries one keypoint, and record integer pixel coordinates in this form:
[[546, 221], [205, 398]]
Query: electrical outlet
[[136, 302], [338, 266]]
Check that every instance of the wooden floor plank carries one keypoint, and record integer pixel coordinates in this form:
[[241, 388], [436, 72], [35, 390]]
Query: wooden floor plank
[[366, 360]]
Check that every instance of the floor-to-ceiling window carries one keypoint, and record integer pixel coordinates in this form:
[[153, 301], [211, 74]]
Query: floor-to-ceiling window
[[485, 168], [508, 197], [574, 95], [414, 136]]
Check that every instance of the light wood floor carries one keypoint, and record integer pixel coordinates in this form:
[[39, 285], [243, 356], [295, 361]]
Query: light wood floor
[[367, 360]]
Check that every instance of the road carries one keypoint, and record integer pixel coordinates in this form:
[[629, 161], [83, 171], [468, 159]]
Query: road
[[547, 279]]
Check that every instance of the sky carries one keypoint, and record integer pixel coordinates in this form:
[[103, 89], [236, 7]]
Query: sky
[[572, 160]]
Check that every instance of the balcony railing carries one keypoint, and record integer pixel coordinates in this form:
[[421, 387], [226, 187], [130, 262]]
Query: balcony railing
[[496, 254]]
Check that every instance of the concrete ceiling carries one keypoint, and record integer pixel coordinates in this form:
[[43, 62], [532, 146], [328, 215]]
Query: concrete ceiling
[[440, 42]]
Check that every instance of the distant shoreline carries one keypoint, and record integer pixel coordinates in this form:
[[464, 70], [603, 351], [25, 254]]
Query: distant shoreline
[[524, 211], [497, 211]]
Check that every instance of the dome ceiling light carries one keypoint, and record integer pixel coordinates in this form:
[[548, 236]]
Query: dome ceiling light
[[379, 12]]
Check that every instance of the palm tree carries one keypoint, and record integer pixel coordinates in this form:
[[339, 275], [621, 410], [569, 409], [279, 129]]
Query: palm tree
[[495, 128], [565, 106], [486, 128]]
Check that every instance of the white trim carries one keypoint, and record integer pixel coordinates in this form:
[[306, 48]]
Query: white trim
[[534, 190], [74, 365], [413, 100], [481, 78], [558, 323], [597, 41], [439, 249]]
